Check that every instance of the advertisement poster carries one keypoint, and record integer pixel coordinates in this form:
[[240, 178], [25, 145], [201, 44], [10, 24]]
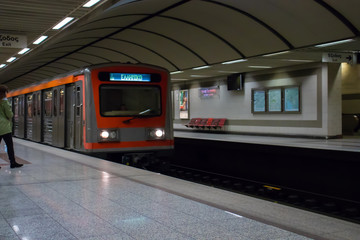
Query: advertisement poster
[[184, 104]]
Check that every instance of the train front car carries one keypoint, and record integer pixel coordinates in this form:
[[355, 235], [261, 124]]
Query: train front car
[[128, 111]]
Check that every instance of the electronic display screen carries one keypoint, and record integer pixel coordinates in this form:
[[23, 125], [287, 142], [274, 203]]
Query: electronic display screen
[[129, 77]]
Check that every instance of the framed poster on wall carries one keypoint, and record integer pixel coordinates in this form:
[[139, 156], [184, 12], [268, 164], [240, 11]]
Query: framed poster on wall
[[184, 104], [274, 100], [258, 97], [292, 99]]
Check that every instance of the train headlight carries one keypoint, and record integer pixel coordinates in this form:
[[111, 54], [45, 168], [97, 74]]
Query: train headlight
[[108, 135], [156, 133]]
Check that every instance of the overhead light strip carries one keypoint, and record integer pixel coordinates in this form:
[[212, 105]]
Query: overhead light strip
[[235, 61], [334, 43], [63, 23], [24, 51], [40, 39], [277, 53], [11, 59], [91, 3], [2, 65], [202, 67], [259, 66], [177, 72]]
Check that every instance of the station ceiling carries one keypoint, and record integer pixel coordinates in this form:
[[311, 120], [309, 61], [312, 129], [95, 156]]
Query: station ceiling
[[193, 39]]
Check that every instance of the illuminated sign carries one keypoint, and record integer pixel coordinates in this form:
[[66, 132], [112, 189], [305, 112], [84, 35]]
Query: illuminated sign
[[209, 92], [130, 77], [12, 41]]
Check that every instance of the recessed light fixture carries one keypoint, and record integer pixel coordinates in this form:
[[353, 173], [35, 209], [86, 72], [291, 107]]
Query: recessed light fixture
[[63, 23], [24, 51], [199, 76], [334, 43], [40, 39], [227, 72], [202, 67], [259, 66], [274, 54], [297, 60], [91, 3], [235, 61], [11, 59], [2, 65], [176, 72]]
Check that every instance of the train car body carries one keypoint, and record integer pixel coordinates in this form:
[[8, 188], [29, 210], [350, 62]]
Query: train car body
[[108, 108]]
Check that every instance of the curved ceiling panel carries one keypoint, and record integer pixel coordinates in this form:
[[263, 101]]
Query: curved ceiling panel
[[89, 57], [177, 53], [141, 7], [195, 37], [116, 22], [139, 52], [302, 22], [238, 29], [179, 35], [348, 8]]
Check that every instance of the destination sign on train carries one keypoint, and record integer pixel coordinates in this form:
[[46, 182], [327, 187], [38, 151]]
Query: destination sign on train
[[130, 77]]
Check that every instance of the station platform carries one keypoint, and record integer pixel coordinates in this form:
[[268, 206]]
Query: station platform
[[60, 194], [347, 143]]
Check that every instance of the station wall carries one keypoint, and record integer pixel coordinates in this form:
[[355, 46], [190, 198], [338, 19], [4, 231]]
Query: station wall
[[320, 102]]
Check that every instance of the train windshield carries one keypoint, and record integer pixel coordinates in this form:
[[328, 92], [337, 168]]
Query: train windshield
[[130, 100]]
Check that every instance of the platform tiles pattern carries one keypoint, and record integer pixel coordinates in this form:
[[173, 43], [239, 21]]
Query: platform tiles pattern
[[72, 196]]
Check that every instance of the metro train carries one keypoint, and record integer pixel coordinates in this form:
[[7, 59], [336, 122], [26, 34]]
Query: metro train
[[105, 108]]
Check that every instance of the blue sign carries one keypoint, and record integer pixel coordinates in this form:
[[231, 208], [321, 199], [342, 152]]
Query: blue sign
[[130, 77]]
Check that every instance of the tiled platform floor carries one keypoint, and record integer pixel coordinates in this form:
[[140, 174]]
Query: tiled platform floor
[[65, 195]]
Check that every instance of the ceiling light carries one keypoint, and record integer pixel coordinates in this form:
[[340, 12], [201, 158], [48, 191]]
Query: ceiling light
[[91, 3], [199, 76], [259, 66], [2, 65], [63, 23], [24, 51], [40, 39], [176, 72], [11, 59], [334, 43], [297, 60], [274, 54], [235, 61], [202, 67], [227, 72]]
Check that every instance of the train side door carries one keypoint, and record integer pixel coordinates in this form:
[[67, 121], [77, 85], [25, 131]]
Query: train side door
[[37, 109], [15, 102], [58, 116], [29, 116], [21, 115], [47, 117], [70, 115], [78, 115]]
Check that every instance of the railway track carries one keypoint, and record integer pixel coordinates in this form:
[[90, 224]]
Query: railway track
[[322, 204]]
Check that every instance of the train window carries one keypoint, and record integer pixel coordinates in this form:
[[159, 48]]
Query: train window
[[78, 101], [39, 104], [21, 106], [47, 103], [34, 105], [29, 105], [62, 101], [55, 102], [16, 107], [130, 100]]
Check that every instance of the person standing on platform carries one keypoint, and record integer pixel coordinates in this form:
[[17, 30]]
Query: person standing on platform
[[6, 115]]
